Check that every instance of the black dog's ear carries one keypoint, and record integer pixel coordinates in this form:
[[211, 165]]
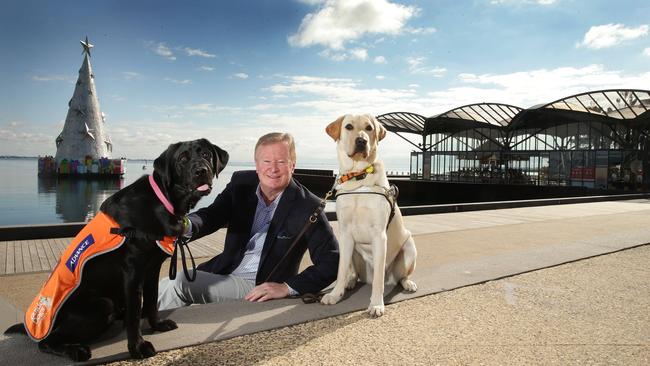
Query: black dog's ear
[[165, 163], [221, 159]]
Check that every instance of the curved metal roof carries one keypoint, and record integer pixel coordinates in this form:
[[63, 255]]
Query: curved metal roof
[[493, 114], [473, 116], [611, 106], [403, 122], [629, 106], [613, 103]]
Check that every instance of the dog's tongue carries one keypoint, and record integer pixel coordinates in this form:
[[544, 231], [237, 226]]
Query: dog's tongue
[[203, 188]]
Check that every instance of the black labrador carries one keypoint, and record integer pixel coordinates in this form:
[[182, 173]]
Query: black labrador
[[123, 283]]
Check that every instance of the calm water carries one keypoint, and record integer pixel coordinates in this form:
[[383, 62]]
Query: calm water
[[27, 199]]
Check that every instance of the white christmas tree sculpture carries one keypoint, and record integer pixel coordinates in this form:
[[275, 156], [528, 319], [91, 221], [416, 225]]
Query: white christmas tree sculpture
[[84, 133]]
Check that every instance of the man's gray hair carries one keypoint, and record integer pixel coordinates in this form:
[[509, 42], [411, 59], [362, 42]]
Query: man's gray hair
[[275, 137]]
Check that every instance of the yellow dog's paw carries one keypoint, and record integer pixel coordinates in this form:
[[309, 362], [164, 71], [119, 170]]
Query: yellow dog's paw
[[376, 310], [330, 299], [351, 282], [409, 285]]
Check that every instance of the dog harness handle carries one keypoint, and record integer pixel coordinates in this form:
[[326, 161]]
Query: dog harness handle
[[390, 194], [160, 195]]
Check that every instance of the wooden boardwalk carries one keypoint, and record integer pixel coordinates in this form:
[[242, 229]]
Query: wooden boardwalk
[[26, 256]]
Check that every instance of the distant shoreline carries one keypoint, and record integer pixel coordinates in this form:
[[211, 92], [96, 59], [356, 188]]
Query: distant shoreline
[[247, 164], [7, 157]]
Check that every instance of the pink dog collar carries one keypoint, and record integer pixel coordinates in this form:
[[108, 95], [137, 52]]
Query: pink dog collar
[[160, 195]]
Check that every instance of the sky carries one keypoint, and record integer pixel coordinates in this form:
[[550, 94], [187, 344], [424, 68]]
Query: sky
[[230, 71]]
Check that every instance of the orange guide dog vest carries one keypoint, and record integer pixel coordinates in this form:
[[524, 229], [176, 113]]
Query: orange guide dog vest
[[93, 240]]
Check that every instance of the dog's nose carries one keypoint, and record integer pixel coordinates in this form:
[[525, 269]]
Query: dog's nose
[[360, 142], [201, 171]]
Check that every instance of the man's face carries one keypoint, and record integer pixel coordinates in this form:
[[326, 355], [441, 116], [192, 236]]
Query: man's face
[[274, 168]]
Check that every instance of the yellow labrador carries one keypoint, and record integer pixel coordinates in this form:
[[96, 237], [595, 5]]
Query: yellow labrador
[[375, 247]]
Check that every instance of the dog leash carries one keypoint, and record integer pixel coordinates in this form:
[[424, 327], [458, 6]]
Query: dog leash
[[311, 220], [130, 233], [307, 298], [181, 243]]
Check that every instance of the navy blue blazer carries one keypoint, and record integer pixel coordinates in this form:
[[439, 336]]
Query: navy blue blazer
[[235, 208]]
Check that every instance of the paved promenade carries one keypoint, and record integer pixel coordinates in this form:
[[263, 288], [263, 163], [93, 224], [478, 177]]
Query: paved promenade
[[593, 311]]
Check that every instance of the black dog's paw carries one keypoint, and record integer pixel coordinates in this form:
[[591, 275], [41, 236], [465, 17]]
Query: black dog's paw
[[78, 352], [165, 325], [142, 349], [16, 329]]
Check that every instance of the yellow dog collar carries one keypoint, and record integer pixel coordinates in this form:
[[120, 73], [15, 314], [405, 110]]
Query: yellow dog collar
[[357, 175]]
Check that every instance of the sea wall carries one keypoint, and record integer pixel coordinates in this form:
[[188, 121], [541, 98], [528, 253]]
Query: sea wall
[[419, 192]]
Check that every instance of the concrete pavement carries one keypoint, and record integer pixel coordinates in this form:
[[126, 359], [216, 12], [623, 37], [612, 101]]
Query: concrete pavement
[[455, 250]]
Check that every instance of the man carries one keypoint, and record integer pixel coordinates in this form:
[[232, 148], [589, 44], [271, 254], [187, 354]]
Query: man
[[264, 210]]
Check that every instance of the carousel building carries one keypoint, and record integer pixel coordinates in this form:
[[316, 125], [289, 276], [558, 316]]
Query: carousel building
[[598, 139]]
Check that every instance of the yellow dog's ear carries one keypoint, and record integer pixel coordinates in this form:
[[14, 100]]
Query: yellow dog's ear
[[334, 128], [381, 130]]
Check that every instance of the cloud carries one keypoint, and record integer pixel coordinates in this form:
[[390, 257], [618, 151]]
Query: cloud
[[646, 52], [162, 50], [198, 52], [206, 68], [380, 77], [527, 88], [263, 107], [131, 75], [46, 78], [353, 54], [336, 96], [235, 134], [523, 2], [182, 82], [14, 124], [610, 35], [379, 60], [206, 109], [240, 75], [416, 66], [340, 21], [334, 56], [359, 54], [340, 95], [18, 134], [420, 31]]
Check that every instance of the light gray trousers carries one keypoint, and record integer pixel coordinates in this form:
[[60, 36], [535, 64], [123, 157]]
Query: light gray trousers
[[206, 288]]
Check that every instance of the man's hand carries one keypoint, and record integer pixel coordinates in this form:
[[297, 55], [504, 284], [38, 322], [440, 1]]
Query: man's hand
[[268, 291]]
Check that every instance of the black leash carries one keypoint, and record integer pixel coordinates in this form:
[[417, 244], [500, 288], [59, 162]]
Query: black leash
[[311, 220], [182, 243]]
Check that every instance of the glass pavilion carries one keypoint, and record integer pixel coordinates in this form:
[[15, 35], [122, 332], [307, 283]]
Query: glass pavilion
[[597, 139]]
